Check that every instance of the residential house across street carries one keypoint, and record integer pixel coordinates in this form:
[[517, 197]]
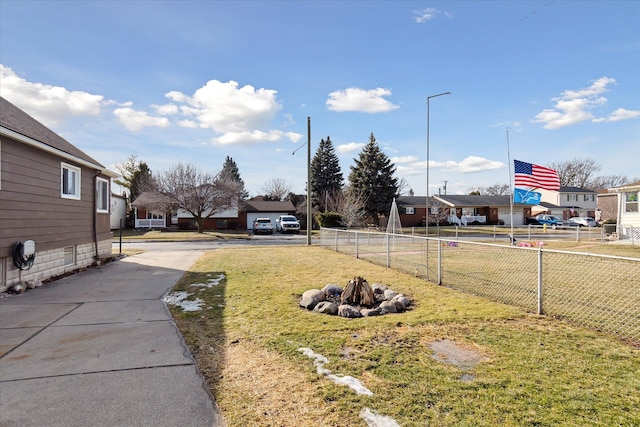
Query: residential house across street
[[152, 210], [628, 210]]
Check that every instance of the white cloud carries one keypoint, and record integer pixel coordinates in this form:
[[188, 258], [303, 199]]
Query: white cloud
[[598, 87], [621, 114], [241, 115], [177, 96], [48, 104], [469, 164], [574, 106], [404, 159], [350, 147], [135, 120], [225, 107], [423, 15], [255, 136], [187, 124], [166, 109], [411, 169], [355, 99]]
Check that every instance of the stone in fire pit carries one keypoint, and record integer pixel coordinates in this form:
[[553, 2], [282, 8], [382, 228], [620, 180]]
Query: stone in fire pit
[[357, 299]]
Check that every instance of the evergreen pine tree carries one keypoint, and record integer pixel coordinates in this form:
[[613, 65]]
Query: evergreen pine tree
[[373, 176], [141, 181], [326, 176], [230, 171]]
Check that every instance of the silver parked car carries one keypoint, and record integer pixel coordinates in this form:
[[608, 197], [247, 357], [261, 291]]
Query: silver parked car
[[583, 222], [262, 225]]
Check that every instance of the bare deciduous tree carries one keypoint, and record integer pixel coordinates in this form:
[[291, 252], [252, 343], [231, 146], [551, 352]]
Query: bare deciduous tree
[[199, 193], [276, 189], [492, 190], [576, 172], [351, 205], [608, 181]]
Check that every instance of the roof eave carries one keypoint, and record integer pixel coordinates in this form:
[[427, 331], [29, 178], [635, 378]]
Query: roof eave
[[49, 149]]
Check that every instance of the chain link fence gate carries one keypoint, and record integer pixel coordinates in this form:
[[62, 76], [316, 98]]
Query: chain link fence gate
[[596, 291]]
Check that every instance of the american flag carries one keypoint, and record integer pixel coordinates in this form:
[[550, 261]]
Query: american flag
[[530, 175]]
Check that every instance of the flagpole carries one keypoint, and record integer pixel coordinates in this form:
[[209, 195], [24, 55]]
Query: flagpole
[[510, 189]]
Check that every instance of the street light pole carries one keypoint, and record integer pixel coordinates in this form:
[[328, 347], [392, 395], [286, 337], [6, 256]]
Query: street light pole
[[427, 201], [309, 219]]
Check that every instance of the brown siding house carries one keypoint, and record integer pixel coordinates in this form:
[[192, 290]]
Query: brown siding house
[[52, 193]]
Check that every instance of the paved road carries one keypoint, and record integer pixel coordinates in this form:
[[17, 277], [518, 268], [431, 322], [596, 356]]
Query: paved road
[[99, 348], [274, 239]]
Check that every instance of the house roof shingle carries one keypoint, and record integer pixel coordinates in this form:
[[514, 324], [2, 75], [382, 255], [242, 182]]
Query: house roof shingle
[[150, 199], [268, 206], [16, 120], [575, 190], [462, 200]]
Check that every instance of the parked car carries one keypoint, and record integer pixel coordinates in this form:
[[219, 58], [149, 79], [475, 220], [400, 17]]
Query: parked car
[[262, 225], [583, 222], [543, 219], [287, 223]]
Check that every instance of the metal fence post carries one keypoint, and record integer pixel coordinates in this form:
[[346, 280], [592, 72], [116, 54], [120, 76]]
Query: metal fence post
[[577, 233], [388, 251], [529, 232], [540, 281], [357, 245], [336, 242], [439, 262], [494, 233]]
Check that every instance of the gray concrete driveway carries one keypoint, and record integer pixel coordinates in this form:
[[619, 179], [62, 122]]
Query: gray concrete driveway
[[99, 348]]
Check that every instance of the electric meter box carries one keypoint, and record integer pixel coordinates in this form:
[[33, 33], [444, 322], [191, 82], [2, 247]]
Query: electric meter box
[[28, 248]]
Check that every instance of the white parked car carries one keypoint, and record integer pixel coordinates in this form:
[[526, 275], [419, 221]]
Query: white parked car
[[583, 222], [288, 224]]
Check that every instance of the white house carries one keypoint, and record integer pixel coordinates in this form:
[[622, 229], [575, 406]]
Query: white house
[[628, 210], [118, 211], [571, 201]]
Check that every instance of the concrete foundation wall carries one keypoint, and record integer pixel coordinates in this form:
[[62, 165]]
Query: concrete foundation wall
[[51, 263]]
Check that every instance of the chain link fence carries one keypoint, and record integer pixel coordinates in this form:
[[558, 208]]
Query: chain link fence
[[497, 233], [597, 291]]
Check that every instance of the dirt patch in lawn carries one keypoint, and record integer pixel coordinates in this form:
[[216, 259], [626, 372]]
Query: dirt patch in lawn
[[447, 351]]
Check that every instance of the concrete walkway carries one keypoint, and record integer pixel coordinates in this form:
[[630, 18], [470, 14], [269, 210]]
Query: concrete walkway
[[100, 348]]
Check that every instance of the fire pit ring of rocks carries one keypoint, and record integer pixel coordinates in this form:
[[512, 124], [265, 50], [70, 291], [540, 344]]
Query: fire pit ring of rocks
[[357, 299]]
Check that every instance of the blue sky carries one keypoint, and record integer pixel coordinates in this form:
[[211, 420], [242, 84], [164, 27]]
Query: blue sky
[[196, 81]]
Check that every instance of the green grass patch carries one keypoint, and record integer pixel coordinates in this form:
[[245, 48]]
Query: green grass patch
[[533, 370]]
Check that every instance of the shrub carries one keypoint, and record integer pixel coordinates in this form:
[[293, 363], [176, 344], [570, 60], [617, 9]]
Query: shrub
[[329, 219]]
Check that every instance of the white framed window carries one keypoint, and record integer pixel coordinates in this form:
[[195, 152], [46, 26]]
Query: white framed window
[[631, 201], [102, 195], [69, 181], [468, 211], [409, 210], [572, 197], [589, 197], [154, 215], [69, 255]]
